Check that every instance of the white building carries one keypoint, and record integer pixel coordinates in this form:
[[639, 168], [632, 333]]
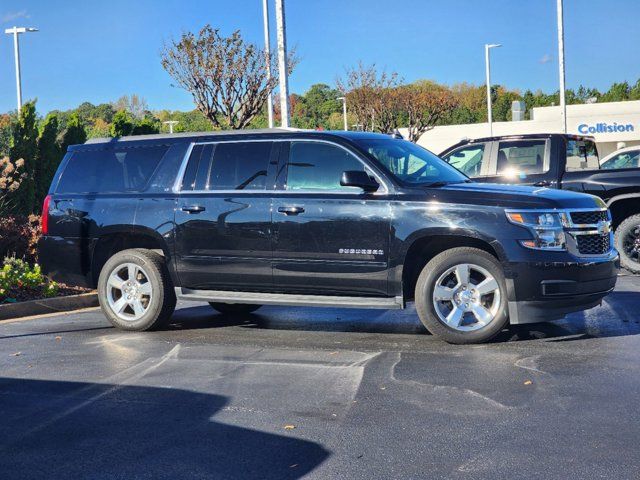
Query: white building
[[613, 125]]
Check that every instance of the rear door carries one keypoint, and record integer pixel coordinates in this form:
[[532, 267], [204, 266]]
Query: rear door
[[328, 238], [223, 216], [522, 161]]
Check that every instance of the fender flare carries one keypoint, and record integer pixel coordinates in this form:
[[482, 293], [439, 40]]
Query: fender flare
[[624, 196]]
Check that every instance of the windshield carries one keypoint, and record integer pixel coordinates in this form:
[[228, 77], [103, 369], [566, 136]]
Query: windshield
[[410, 163]]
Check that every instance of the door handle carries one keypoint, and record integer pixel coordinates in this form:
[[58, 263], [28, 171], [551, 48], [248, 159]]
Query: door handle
[[291, 210], [193, 208], [542, 183]]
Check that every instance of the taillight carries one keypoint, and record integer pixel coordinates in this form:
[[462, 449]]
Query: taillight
[[45, 215]]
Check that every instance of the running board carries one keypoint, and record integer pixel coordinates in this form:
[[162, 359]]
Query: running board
[[224, 296]]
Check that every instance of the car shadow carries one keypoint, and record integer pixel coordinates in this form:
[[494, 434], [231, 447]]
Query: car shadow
[[301, 319], [55, 429], [617, 317]]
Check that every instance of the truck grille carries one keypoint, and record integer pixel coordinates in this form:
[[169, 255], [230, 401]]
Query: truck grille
[[593, 244], [589, 218]]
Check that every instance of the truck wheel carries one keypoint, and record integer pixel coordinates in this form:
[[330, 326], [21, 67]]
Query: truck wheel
[[135, 291], [627, 242], [461, 296], [229, 308]]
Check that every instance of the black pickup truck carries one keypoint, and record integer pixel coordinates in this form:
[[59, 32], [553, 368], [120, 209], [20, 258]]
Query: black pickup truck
[[567, 162], [338, 219]]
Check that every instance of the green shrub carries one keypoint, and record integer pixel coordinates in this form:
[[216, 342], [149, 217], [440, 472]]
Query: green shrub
[[19, 279]]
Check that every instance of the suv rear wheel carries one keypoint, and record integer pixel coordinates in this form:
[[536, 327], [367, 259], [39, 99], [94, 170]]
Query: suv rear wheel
[[461, 296], [627, 242], [135, 291], [229, 308]]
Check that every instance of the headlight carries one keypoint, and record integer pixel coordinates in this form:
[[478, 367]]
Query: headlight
[[546, 228]]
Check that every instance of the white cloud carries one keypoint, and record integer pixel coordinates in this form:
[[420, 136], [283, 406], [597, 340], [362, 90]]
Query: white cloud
[[10, 16], [546, 58]]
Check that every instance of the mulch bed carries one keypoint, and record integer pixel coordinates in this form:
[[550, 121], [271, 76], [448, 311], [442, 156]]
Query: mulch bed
[[16, 295]]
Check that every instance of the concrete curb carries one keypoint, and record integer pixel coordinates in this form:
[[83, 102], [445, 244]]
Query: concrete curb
[[10, 311]]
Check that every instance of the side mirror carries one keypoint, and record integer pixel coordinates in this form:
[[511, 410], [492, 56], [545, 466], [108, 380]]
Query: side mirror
[[360, 179]]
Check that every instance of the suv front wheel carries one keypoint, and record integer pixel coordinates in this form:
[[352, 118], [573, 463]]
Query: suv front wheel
[[135, 291], [461, 296]]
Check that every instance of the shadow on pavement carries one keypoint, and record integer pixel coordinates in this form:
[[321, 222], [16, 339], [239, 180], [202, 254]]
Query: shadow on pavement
[[52, 429], [617, 317], [301, 319]]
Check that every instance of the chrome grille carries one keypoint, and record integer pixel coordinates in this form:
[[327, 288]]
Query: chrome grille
[[593, 244], [589, 218]]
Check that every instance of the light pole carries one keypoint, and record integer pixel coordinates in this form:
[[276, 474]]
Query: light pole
[[15, 31], [344, 111], [267, 58], [488, 47], [283, 70], [563, 104], [170, 124]]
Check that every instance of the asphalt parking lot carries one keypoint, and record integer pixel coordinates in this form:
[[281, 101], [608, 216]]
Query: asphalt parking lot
[[320, 393]]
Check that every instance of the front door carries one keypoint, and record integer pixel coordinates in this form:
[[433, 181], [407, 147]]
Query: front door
[[328, 239], [223, 217]]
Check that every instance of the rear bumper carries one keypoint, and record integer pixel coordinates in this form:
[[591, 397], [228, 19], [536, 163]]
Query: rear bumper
[[543, 291]]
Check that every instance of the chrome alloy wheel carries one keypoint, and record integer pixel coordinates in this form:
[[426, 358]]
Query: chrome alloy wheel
[[466, 297], [129, 291]]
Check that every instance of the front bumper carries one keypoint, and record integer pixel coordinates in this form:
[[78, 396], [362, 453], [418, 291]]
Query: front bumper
[[548, 290]]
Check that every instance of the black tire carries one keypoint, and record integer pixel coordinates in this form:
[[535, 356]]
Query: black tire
[[630, 260], [162, 302], [229, 308], [427, 282]]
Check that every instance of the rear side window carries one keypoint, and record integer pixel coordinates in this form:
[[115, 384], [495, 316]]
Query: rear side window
[[469, 160], [110, 171], [522, 157], [582, 155], [319, 166], [228, 166]]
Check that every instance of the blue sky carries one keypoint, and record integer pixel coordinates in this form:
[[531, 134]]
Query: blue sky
[[97, 51]]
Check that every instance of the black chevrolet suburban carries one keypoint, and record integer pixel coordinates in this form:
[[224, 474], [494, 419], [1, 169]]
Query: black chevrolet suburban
[[555, 160], [339, 219]]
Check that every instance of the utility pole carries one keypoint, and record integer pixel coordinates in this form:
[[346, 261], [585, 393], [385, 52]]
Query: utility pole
[[15, 31], [487, 62], [170, 124], [283, 70], [267, 55], [344, 111], [563, 103]]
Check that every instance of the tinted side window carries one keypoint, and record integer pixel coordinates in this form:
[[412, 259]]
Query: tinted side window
[[110, 171], [239, 166], [522, 156], [319, 166], [469, 160]]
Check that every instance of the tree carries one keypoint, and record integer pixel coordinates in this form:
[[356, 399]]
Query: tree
[[12, 174], [133, 104], [617, 93], [145, 126], [122, 124], [370, 97], [424, 103], [24, 146], [225, 75], [73, 134], [314, 108], [47, 158]]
